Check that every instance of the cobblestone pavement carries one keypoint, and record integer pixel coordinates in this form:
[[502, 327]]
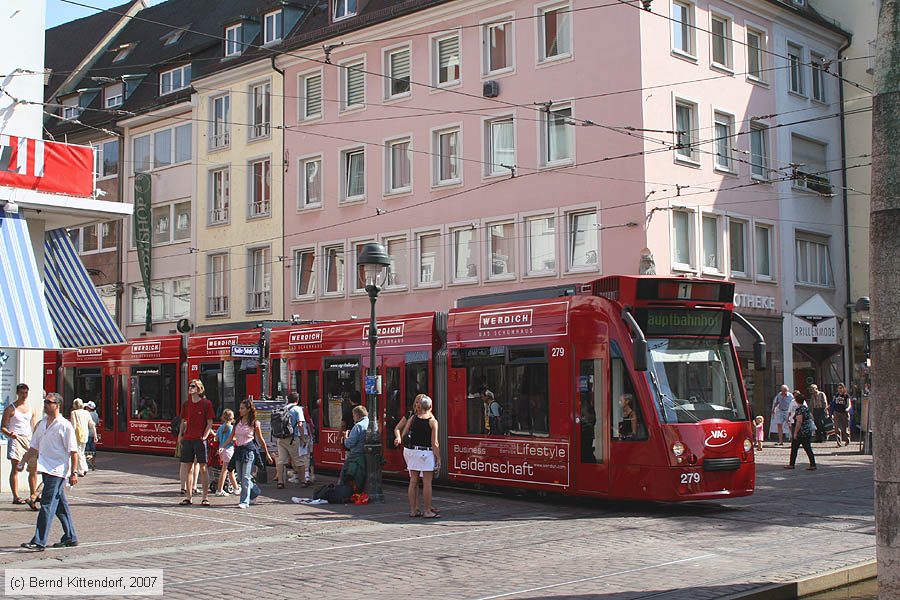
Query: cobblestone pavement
[[797, 524]]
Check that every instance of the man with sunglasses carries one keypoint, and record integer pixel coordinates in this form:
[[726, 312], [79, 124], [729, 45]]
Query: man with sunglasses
[[56, 449], [196, 424]]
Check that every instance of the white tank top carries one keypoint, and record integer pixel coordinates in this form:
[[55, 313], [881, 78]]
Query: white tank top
[[20, 423]]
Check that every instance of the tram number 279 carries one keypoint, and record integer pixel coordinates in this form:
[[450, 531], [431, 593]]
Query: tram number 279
[[687, 478], [557, 352]]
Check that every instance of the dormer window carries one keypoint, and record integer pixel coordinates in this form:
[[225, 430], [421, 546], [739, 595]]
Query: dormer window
[[274, 27], [174, 79], [123, 51], [114, 95], [233, 45], [70, 108], [344, 9]]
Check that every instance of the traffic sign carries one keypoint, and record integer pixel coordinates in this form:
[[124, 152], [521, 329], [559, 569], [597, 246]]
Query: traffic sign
[[245, 351]]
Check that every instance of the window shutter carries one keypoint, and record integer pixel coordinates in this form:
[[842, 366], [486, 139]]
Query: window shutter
[[356, 85], [448, 54], [313, 95], [400, 65], [809, 155]]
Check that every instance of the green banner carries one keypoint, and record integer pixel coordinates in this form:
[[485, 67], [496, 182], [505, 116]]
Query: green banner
[[143, 229]]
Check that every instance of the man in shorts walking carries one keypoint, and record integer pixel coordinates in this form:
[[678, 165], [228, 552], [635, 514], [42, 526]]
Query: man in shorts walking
[[19, 421], [196, 424], [293, 450]]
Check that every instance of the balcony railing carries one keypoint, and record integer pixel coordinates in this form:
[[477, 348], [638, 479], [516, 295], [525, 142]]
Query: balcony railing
[[218, 305], [260, 300]]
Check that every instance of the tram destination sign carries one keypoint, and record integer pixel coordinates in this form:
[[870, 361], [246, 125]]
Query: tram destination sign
[[664, 322], [245, 351]]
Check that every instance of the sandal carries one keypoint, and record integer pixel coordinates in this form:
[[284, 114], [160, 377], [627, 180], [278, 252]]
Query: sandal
[[433, 515], [18, 501], [204, 502], [280, 486], [33, 504], [185, 502], [418, 513]]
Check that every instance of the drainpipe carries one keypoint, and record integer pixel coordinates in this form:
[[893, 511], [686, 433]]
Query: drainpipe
[[849, 303]]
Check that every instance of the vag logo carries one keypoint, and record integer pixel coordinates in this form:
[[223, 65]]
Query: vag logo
[[718, 438]]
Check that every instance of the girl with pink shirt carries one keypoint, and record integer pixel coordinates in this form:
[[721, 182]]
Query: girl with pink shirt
[[247, 436]]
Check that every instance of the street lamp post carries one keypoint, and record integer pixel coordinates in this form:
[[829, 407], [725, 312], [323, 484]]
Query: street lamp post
[[374, 259], [862, 309]]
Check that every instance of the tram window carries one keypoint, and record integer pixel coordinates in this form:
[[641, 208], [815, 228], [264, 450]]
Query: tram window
[[416, 380], [313, 399], [627, 420], [341, 378], [153, 392], [88, 388], [507, 389], [590, 395], [393, 410], [108, 406], [280, 377], [226, 383]]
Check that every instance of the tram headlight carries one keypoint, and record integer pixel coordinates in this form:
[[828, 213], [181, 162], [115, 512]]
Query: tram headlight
[[678, 449], [748, 445]]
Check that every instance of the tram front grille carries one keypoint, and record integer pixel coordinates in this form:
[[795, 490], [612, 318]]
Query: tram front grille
[[721, 464]]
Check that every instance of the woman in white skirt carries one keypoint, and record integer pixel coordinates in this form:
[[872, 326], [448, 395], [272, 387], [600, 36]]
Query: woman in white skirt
[[422, 454]]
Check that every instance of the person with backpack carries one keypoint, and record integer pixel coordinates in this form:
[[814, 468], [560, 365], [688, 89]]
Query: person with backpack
[[84, 429], [247, 437], [292, 436]]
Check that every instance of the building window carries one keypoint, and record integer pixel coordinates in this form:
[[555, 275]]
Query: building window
[[217, 292], [446, 53], [555, 31], [501, 250], [220, 128], [429, 258], [98, 237], [712, 244], [557, 135], [173, 36], [683, 28], [813, 261], [737, 247], [808, 160], [398, 68], [260, 279], [305, 262], [582, 241], [334, 269], [398, 270], [70, 108], [114, 95], [260, 188], [755, 54], [162, 148], [353, 164], [354, 88], [273, 27], [260, 110], [501, 146], [175, 79], [311, 182], [123, 51], [763, 245], [170, 300], [233, 45], [171, 223], [311, 94], [682, 240], [106, 159], [721, 41], [219, 196], [759, 151], [540, 245], [818, 76], [724, 126], [446, 157], [344, 9], [464, 254], [795, 60], [399, 175], [685, 130], [497, 44], [358, 269]]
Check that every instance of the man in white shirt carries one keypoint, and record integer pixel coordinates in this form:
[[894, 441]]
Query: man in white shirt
[[54, 445]]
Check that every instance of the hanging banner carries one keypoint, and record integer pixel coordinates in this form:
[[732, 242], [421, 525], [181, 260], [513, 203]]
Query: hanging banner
[[142, 235], [46, 166]]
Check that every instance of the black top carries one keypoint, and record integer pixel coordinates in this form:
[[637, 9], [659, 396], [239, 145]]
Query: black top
[[421, 432], [840, 403]]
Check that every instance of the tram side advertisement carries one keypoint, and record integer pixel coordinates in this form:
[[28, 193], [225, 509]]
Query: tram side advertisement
[[535, 462], [151, 435]]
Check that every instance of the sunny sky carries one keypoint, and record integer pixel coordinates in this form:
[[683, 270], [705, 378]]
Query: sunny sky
[[59, 12]]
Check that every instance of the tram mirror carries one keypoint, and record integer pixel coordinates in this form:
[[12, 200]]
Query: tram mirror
[[759, 355], [640, 355]]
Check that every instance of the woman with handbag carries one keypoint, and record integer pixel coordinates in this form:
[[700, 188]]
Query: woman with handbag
[[246, 438], [422, 454]]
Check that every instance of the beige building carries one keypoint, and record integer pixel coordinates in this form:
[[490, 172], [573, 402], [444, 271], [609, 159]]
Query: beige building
[[239, 209], [860, 18]]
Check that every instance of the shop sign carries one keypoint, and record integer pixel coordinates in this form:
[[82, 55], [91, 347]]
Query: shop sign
[[754, 301], [815, 330]]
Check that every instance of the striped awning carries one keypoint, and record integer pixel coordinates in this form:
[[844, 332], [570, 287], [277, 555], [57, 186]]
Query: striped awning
[[24, 320], [78, 313]]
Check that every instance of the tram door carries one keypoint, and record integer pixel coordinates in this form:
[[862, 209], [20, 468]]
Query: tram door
[[115, 410], [591, 447]]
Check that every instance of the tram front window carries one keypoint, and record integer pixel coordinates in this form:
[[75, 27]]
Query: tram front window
[[153, 392], [694, 379], [226, 383], [87, 387]]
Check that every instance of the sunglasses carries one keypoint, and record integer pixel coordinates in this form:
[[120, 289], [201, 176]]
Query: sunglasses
[[50, 402], [193, 386]]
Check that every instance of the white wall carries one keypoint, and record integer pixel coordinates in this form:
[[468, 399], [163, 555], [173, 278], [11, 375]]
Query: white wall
[[22, 48]]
